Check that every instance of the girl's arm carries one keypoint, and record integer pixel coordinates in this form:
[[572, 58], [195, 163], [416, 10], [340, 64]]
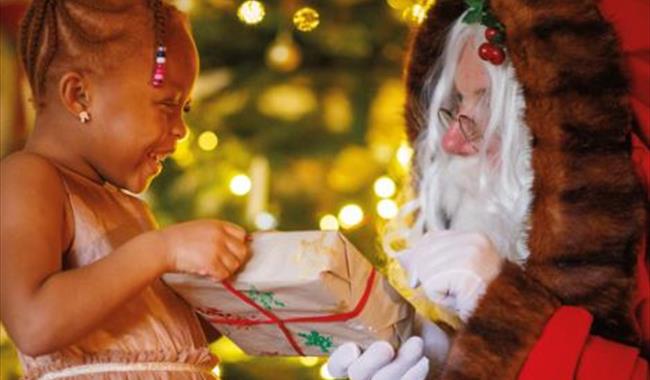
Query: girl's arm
[[43, 307]]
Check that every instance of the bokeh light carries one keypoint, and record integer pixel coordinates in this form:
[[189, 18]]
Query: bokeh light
[[265, 221], [387, 208], [324, 373], [309, 361], [415, 14], [283, 55], [306, 19], [240, 185], [251, 12], [329, 222], [184, 5], [208, 141], [351, 216], [384, 187], [404, 154]]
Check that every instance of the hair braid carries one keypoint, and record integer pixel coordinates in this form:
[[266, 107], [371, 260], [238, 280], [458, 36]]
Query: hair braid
[[58, 35], [36, 35], [52, 44], [25, 27], [159, 21]]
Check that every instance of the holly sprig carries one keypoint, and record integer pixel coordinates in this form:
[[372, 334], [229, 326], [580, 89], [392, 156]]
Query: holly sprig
[[479, 12]]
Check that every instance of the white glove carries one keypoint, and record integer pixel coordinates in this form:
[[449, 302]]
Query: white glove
[[378, 362], [436, 341], [454, 268]]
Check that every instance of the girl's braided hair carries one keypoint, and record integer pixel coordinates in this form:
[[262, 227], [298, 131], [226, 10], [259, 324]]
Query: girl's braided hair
[[86, 35]]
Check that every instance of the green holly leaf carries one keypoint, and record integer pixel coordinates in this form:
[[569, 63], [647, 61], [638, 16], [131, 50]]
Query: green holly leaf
[[490, 21], [475, 3], [475, 12], [472, 17]]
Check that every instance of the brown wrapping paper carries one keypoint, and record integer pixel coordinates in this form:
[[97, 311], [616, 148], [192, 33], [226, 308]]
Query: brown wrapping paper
[[301, 293]]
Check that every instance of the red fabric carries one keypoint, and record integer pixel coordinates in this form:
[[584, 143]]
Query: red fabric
[[603, 359], [557, 353], [631, 20], [565, 349]]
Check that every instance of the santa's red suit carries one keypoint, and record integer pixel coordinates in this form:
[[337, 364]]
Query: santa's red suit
[[580, 306]]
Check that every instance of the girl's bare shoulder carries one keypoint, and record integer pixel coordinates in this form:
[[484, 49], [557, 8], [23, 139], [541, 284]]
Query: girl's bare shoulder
[[25, 168], [29, 180]]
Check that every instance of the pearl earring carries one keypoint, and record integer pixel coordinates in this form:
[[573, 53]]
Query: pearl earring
[[84, 117]]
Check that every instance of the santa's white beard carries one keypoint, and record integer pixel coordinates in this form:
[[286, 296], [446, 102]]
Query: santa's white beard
[[470, 206]]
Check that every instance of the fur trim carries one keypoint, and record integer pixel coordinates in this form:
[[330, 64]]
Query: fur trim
[[588, 206]]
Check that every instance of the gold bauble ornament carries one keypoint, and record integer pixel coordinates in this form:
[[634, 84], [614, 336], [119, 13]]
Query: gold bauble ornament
[[284, 54], [306, 19]]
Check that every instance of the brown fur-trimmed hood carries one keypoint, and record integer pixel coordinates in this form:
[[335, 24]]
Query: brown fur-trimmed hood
[[588, 208]]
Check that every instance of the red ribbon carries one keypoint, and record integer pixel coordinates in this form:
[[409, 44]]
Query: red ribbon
[[273, 319]]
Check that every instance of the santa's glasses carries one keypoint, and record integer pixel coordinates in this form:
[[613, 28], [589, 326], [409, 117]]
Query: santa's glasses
[[471, 131]]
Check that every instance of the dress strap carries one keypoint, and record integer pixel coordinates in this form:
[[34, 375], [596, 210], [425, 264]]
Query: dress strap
[[91, 369]]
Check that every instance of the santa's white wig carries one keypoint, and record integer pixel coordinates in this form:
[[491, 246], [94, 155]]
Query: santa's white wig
[[500, 181]]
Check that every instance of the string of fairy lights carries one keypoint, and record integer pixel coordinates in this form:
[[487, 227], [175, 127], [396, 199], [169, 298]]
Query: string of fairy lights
[[284, 55]]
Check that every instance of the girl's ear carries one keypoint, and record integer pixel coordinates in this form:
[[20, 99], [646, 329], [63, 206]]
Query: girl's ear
[[74, 92]]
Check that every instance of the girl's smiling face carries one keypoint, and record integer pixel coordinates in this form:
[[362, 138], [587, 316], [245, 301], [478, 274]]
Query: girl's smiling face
[[134, 125]]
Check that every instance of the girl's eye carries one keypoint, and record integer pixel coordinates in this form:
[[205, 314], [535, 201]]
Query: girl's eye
[[187, 108], [168, 106]]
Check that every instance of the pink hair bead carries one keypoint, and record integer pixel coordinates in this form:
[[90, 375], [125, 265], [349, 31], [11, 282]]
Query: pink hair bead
[[159, 68]]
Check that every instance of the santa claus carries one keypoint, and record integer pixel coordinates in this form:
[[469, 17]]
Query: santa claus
[[530, 121]]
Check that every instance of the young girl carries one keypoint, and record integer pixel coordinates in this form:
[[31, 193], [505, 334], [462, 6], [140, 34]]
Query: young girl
[[81, 259]]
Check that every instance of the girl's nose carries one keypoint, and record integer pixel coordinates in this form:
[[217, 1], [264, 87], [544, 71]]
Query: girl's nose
[[179, 130], [453, 141]]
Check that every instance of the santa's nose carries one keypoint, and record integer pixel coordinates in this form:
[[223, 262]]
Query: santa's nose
[[453, 141]]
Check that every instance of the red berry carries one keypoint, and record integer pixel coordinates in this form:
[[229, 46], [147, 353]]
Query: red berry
[[491, 34], [484, 51], [497, 55]]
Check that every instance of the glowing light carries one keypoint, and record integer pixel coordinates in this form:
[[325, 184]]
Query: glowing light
[[184, 5], [351, 216], [415, 14], [404, 154], [208, 141], [283, 55], [251, 12], [398, 4], [306, 19], [329, 222], [265, 221], [324, 373], [240, 185], [387, 208], [228, 351], [384, 187], [309, 361], [216, 371]]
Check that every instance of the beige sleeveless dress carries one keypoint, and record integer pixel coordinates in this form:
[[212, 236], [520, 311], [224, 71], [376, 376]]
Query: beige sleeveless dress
[[155, 335]]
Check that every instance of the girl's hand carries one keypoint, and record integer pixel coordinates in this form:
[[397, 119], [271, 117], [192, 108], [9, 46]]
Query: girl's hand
[[454, 268], [205, 247]]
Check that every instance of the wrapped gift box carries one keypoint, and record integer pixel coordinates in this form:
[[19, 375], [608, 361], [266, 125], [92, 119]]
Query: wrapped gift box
[[301, 293]]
